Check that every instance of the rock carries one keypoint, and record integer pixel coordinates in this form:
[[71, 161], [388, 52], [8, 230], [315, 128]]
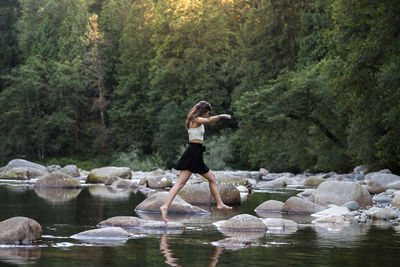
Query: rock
[[380, 213], [380, 182], [270, 206], [299, 205], [53, 168], [16, 173], [313, 181], [58, 180], [332, 219], [355, 177], [263, 172], [279, 223], [101, 174], [232, 242], [242, 222], [21, 163], [368, 176], [351, 205], [71, 170], [242, 189], [200, 193], [234, 178], [335, 210], [306, 193], [19, 231], [135, 222], [154, 202], [278, 182], [338, 193], [109, 233], [111, 180], [396, 201], [362, 169], [161, 181], [123, 183]]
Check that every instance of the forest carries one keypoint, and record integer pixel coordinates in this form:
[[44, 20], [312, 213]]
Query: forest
[[310, 84]]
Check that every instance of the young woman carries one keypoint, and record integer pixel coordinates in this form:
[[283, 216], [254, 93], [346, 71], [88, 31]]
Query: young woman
[[192, 159]]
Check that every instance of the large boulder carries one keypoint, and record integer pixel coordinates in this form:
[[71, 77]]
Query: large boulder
[[153, 203], [301, 206], [71, 170], [135, 222], [270, 206], [242, 222], [22, 169], [19, 231], [98, 176], [109, 233], [58, 180], [199, 193], [379, 182], [338, 193]]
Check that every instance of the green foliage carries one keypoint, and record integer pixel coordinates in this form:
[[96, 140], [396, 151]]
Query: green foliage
[[218, 154], [136, 161]]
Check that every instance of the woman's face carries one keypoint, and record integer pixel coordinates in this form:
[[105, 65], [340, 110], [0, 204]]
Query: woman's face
[[206, 115]]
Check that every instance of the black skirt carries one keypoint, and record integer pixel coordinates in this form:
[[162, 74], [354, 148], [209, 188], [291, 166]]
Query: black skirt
[[192, 159]]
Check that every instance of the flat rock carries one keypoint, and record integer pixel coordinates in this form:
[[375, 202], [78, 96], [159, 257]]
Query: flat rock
[[154, 202], [135, 222], [301, 206], [242, 222], [380, 213], [335, 210], [19, 231], [58, 180], [331, 219], [101, 174], [108, 233], [279, 223], [270, 206], [199, 193], [338, 193]]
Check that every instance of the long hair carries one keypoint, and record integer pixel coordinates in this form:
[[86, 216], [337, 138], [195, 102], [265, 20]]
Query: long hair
[[197, 110]]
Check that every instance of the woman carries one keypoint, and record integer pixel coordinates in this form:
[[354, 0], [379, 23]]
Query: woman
[[192, 159]]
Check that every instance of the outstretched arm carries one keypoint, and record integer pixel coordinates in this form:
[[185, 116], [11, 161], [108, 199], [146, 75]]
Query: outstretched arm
[[201, 120]]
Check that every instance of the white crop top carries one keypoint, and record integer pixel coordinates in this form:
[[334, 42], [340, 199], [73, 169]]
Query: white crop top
[[196, 133]]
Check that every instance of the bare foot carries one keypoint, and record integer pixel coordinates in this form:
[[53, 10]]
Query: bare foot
[[164, 213], [223, 207]]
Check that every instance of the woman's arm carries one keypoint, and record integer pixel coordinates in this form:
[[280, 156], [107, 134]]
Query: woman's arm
[[201, 120]]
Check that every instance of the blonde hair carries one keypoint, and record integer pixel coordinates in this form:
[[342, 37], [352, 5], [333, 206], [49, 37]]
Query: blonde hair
[[197, 110]]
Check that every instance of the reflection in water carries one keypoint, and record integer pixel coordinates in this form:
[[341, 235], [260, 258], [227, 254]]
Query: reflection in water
[[57, 194], [172, 261], [345, 237], [109, 192], [19, 255]]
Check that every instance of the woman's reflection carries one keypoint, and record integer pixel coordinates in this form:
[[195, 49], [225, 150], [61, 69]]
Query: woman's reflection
[[170, 260]]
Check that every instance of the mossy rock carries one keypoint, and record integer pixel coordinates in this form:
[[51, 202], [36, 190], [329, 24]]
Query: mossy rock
[[17, 174], [58, 180]]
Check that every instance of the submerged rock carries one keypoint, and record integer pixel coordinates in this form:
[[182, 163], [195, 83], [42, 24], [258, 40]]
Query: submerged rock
[[154, 202], [58, 180], [232, 243], [101, 174], [242, 222], [19, 231], [135, 222], [270, 206], [199, 193], [279, 223], [109, 233], [338, 193], [300, 205]]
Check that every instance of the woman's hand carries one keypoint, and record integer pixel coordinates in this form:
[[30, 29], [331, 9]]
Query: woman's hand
[[225, 116]]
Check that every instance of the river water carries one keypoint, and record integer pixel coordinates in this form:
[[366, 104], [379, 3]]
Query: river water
[[64, 213]]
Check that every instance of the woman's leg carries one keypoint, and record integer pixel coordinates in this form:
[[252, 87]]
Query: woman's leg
[[182, 179], [212, 181]]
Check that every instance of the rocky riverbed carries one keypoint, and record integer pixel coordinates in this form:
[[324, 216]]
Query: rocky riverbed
[[335, 201]]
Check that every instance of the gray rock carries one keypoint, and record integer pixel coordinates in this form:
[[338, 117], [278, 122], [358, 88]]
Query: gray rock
[[306, 193], [53, 168], [154, 202], [356, 177], [332, 219], [15, 174], [71, 170], [276, 183], [58, 180], [380, 213], [301, 206], [135, 222], [109, 233], [362, 169], [19, 231], [21, 163], [270, 206], [351, 205], [263, 172], [161, 181], [101, 174], [338, 193], [124, 183], [111, 180], [396, 201], [279, 223], [313, 181], [380, 182], [200, 193], [242, 222]]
